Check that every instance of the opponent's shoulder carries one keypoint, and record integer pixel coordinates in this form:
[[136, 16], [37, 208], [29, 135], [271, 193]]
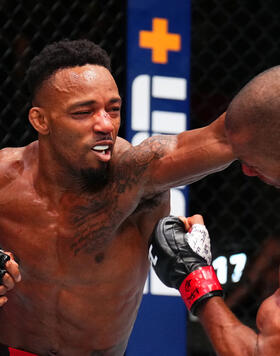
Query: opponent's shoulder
[[268, 322], [13, 161]]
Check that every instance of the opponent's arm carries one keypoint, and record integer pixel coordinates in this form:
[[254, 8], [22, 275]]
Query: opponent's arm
[[230, 337], [9, 274], [190, 156], [182, 260], [227, 334]]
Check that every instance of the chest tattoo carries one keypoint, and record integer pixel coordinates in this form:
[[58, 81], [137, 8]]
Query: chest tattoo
[[95, 222]]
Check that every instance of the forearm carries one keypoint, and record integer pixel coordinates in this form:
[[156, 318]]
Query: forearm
[[228, 335], [212, 144]]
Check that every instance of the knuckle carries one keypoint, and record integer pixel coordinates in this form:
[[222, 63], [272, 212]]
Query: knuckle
[[11, 255], [12, 264], [7, 281], [3, 300], [9, 286]]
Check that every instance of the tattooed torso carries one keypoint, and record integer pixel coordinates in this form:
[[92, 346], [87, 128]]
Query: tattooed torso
[[83, 259]]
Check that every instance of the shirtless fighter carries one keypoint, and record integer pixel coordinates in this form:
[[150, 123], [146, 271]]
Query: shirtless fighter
[[77, 208], [184, 259]]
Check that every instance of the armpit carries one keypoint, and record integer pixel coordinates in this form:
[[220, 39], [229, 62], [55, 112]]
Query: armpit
[[152, 203]]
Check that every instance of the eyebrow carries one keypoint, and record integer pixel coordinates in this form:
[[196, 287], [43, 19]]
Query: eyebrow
[[116, 100]]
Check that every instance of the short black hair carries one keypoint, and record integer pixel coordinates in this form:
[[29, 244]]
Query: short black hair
[[64, 54]]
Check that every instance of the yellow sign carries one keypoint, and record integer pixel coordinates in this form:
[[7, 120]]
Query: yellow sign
[[160, 41]]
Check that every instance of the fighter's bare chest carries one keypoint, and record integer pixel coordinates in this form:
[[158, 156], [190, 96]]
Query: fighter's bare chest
[[78, 229]]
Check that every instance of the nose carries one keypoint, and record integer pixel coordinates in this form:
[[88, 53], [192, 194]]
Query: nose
[[248, 171], [103, 122]]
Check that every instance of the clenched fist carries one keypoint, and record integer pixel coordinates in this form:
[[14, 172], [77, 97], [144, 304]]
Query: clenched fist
[[9, 274]]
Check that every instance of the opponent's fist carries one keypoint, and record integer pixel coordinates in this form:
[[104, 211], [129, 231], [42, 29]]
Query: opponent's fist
[[182, 259], [9, 274]]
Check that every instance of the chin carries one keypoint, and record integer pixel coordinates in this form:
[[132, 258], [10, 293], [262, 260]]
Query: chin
[[94, 178]]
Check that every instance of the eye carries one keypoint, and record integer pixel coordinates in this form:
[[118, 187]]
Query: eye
[[81, 113], [115, 110]]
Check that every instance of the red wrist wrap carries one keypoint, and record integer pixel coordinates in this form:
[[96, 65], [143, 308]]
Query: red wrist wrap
[[199, 283], [14, 352]]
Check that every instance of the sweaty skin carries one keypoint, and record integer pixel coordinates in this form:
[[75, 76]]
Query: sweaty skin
[[82, 248]]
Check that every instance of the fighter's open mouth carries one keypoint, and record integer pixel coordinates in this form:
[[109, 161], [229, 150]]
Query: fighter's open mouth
[[101, 148], [103, 152]]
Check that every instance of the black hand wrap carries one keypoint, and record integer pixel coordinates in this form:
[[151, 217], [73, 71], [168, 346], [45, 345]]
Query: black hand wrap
[[179, 266], [3, 259]]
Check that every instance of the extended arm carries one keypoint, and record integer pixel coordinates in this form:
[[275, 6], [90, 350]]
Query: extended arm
[[187, 157]]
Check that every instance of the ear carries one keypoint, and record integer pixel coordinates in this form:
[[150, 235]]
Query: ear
[[38, 120]]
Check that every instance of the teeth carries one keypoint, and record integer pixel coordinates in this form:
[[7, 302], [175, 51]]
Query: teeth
[[101, 148]]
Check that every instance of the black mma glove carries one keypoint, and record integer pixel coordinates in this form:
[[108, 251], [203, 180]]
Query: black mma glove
[[3, 259], [182, 260]]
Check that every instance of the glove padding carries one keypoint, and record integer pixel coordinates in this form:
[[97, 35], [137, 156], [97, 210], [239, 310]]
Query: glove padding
[[182, 260]]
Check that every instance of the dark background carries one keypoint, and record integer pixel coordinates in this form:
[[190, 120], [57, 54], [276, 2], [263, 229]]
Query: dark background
[[231, 41]]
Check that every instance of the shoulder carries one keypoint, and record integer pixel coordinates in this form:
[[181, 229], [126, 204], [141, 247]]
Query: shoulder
[[13, 162], [121, 146], [269, 310], [135, 165], [151, 149], [268, 322]]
